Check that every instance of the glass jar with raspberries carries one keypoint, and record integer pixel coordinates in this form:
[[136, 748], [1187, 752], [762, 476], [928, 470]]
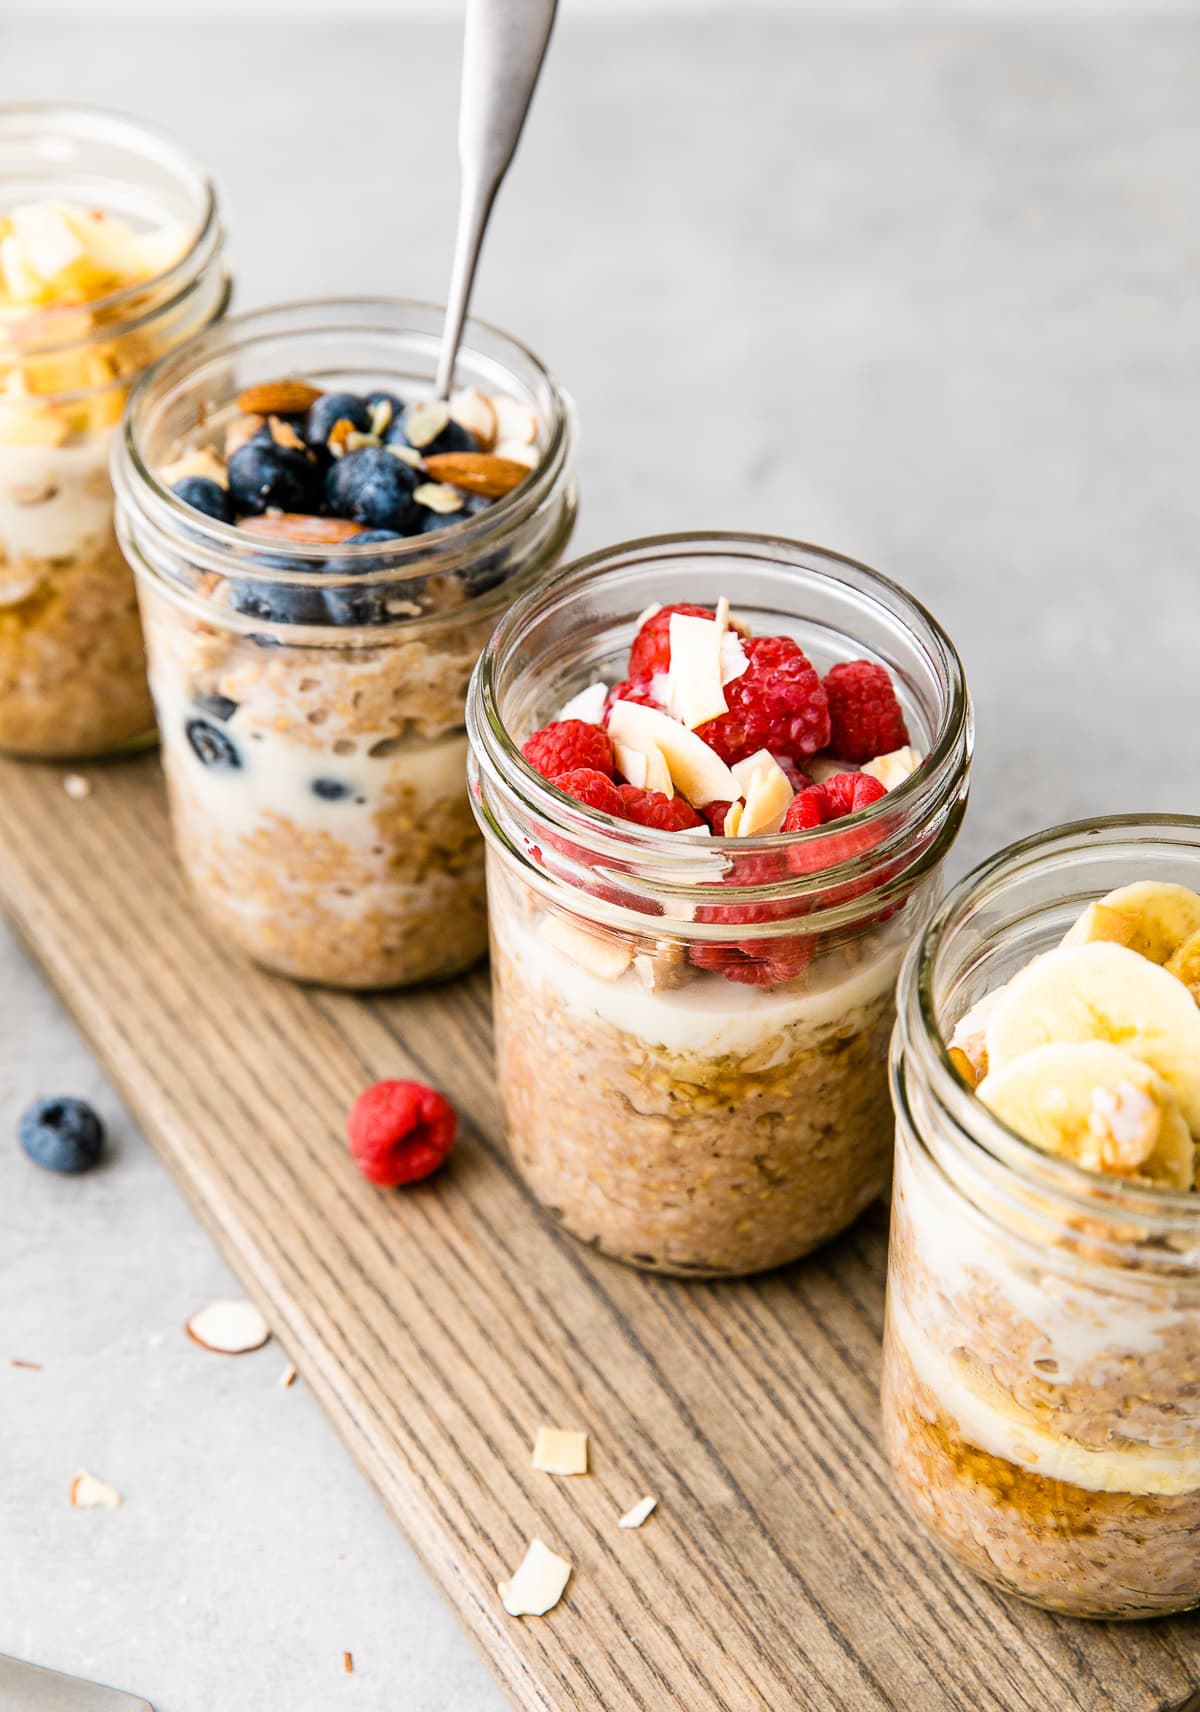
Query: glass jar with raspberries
[[718, 777], [321, 550]]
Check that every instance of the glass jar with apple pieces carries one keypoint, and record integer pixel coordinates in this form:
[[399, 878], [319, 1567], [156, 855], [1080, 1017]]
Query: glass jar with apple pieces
[[111, 252], [310, 689], [691, 1031], [1041, 1391]]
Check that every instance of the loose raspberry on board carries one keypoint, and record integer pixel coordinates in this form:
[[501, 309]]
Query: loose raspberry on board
[[400, 1132]]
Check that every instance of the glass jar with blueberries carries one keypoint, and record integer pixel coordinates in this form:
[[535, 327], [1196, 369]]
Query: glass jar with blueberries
[[321, 550]]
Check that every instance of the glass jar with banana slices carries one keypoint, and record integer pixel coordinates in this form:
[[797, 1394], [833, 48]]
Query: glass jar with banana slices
[[1042, 1351]]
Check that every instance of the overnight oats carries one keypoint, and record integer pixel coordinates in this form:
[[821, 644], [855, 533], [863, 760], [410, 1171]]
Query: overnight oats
[[718, 778], [321, 552], [1042, 1353], [110, 253]]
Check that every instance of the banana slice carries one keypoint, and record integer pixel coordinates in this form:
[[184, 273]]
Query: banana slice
[[1184, 964], [1098, 1105], [1151, 917], [1107, 993]]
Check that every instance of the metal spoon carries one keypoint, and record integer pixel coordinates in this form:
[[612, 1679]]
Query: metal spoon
[[502, 56]]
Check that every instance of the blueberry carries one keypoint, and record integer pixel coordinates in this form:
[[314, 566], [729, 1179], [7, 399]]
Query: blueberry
[[355, 607], [374, 488], [262, 475], [63, 1135], [214, 747], [432, 521], [221, 707], [330, 790], [363, 537], [452, 438], [331, 407], [204, 495], [277, 603]]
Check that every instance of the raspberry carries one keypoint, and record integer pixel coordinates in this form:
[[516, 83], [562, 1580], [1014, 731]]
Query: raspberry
[[565, 744], [400, 1131], [776, 704], [627, 690], [799, 781], [714, 813], [865, 716], [593, 789], [753, 962], [651, 651], [652, 808], [844, 793]]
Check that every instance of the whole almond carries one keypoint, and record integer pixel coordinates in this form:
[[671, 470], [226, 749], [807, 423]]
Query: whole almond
[[477, 472], [278, 398], [295, 526]]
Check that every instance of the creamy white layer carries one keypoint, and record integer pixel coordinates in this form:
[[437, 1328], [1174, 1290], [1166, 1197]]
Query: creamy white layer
[[54, 502], [710, 1017]]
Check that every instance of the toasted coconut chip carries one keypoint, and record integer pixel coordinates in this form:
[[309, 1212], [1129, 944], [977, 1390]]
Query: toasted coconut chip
[[635, 1517], [425, 421], [298, 526], [278, 398], [538, 1584], [437, 496], [88, 1493], [229, 1328], [560, 1452], [472, 409]]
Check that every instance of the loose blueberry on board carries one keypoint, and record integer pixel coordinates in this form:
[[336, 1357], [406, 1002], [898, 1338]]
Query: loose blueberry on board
[[213, 746], [62, 1135], [263, 475], [332, 407], [374, 488], [221, 707], [330, 790], [205, 496]]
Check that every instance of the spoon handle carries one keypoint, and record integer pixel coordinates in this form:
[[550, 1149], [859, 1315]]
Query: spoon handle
[[502, 56]]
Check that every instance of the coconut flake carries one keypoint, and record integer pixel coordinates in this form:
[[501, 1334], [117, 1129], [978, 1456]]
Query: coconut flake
[[587, 704]]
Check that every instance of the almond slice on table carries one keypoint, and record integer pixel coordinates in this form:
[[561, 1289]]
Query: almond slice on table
[[477, 472], [88, 1493], [278, 398], [560, 1451], [538, 1584], [229, 1328], [297, 526]]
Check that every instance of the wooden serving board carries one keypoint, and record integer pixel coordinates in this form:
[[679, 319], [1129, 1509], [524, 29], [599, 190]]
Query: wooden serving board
[[441, 1326]]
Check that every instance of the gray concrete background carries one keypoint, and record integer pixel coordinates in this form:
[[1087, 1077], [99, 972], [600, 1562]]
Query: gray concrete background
[[923, 291]]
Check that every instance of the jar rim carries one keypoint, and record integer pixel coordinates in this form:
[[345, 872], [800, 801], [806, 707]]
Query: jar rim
[[409, 558], [919, 1033], [174, 284], [675, 857]]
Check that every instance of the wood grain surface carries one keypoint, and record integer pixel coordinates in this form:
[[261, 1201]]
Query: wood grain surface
[[439, 1327]]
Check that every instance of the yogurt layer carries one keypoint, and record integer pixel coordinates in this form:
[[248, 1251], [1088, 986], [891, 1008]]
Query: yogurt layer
[[709, 1017], [54, 500]]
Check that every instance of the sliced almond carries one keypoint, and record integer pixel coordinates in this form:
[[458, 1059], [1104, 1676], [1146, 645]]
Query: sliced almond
[[241, 431], [296, 526], [278, 398], [514, 420], [437, 496], [229, 1328], [338, 435], [559, 1451], [472, 409], [423, 422], [607, 959], [357, 440], [287, 1378], [517, 452], [284, 434], [202, 461], [88, 1493], [382, 412], [538, 1584], [635, 1517], [477, 472], [406, 455]]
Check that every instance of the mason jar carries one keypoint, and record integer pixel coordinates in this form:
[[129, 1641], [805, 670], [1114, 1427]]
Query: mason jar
[[1041, 1392], [310, 697], [691, 1033], [72, 668]]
